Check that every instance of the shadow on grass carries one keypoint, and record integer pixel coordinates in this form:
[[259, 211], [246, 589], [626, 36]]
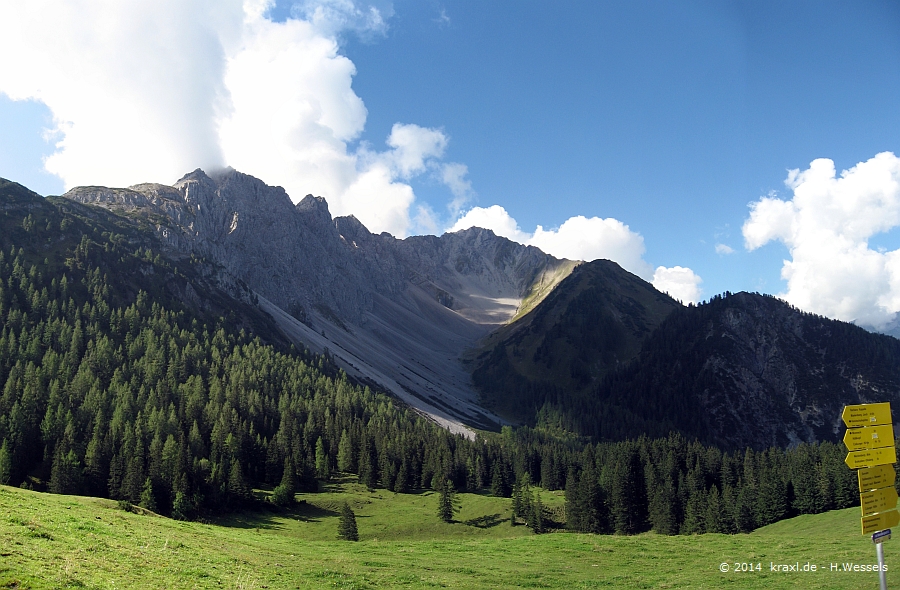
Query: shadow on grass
[[262, 515], [487, 521]]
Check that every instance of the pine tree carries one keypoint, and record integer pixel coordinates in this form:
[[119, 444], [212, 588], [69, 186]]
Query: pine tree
[[148, 499], [368, 463], [347, 524], [448, 505], [536, 519], [5, 464], [401, 483], [65, 473], [345, 454], [714, 518], [516, 502], [181, 506], [629, 494], [237, 486], [498, 483], [586, 509], [323, 462], [283, 494]]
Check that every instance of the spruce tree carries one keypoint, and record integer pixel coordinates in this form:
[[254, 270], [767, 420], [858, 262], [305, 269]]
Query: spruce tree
[[536, 519], [401, 483], [447, 503], [323, 461], [5, 464], [237, 486], [283, 494], [629, 494], [345, 454], [347, 524], [148, 500], [65, 473], [497, 483]]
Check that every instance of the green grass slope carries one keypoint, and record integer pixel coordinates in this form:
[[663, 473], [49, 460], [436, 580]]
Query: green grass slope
[[49, 541]]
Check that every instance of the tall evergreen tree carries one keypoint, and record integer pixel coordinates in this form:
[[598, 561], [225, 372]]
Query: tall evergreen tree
[[283, 494], [448, 505], [237, 486], [629, 495], [345, 461], [323, 461], [148, 498], [347, 524], [65, 474], [5, 464]]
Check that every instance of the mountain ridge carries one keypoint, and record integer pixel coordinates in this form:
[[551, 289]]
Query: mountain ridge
[[477, 331], [397, 312]]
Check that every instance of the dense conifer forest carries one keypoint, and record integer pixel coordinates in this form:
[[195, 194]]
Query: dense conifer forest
[[119, 380]]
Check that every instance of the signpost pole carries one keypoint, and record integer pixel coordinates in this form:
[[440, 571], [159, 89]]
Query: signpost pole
[[882, 575]]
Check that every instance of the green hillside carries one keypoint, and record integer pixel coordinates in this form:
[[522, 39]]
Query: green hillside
[[53, 541], [591, 323]]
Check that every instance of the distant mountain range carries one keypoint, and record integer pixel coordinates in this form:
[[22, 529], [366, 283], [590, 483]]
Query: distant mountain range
[[477, 331]]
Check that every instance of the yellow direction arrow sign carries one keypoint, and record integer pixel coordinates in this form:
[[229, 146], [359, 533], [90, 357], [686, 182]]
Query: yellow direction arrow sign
[[879, 522], [878, 501], [872, 478], [871, 458], [867, 414], [869, 437]]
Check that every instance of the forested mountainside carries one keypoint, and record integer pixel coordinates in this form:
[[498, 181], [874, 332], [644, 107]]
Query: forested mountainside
[[396, 312], [129, 374], [591, 325], [607, 356], [586, 348]]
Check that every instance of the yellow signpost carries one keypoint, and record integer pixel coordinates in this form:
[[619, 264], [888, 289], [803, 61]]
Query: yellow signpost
[[872, 457], [877, 501], [879, 522], [867, 415], [869, 437], [870, 440], [880, 476]]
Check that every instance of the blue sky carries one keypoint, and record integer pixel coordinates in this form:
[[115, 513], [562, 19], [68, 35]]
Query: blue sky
[[671, 118]]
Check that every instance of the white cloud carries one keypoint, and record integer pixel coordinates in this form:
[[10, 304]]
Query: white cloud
[[454, 175], [679, 282], [724, 249], [582, 238], [413, 146], [121, 117], [146, 91], [494, 218], [333, 17], [826, 227]]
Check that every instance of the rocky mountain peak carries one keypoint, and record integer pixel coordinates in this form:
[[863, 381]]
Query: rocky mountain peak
[[398, 312]]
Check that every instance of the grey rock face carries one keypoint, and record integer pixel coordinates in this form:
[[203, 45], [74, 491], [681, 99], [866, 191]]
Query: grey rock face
[[399, 312]]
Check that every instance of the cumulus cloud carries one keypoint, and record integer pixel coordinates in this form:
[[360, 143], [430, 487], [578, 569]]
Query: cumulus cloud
[[333, 17], [454, 176], [146, 91], [724, 249], [121, 118], [826, 227], [494, 218], [679, 282], [582, 238]]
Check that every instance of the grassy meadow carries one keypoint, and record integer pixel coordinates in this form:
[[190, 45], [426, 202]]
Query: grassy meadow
[[51, 541]]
